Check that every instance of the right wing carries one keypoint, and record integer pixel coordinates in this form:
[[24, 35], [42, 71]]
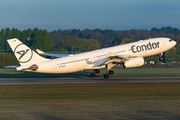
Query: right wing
[[110, 59], [53, 54]]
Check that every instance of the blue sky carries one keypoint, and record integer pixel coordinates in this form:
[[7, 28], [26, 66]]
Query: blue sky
[[91, 14]]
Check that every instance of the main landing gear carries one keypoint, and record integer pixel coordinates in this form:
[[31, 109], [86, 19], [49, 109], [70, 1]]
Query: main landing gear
[[93, 74], [110, 72]]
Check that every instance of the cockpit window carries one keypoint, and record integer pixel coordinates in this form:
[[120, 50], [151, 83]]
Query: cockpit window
[[170, 40]]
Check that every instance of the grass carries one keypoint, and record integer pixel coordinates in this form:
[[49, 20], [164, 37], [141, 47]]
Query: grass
[[91, 101], [147, 72], [119, 72]]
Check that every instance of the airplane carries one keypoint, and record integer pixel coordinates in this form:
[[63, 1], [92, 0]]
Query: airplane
[[129, 55]]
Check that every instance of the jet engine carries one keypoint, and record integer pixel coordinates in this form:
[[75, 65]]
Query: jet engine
[[33, 67], [134, 62]]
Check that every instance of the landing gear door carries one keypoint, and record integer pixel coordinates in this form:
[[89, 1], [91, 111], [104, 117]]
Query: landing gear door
[[54, 66]]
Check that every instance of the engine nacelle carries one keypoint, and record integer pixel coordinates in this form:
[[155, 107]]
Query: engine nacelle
[[134, 62]]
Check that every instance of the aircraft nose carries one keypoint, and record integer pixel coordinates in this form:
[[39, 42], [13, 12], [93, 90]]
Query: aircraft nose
[[174, 42]]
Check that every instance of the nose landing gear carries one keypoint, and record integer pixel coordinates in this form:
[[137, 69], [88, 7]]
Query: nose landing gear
[[161, 56]]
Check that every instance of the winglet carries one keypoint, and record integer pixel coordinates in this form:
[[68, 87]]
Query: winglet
[[39, 51]]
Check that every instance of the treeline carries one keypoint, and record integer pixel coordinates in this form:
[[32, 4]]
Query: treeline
[[107, 38], [114, 37], [77, 44], [49, 41], [40, 39], [85, 40], [35, 38], [7, 59]]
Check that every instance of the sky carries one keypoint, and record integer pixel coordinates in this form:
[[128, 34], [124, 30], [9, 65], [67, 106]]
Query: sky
[[91, 14]]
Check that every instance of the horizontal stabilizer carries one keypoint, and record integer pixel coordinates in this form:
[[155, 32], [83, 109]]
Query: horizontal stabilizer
[[12, 66], [31, 68]]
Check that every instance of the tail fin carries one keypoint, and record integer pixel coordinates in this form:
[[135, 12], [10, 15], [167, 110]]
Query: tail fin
[[24, 54]]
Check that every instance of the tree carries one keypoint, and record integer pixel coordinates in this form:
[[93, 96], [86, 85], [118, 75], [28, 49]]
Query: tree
[[172, 54], [116, 41], [7, 36], [78, 44], [2, 41], [23, 36], [15, 33], [41, 40], [154, 58], [126, 40]]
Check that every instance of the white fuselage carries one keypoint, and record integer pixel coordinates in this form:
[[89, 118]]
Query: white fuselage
[[87, 60]]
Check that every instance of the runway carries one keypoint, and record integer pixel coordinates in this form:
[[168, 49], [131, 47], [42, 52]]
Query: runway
[[18, 81]]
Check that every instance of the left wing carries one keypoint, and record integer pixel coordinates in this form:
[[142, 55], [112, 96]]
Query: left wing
[[52, 54]]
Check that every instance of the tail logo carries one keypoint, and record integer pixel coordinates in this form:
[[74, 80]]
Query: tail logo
[[23, 53]]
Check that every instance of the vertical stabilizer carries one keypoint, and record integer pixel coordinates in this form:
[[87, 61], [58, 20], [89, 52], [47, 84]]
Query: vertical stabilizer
[[23, 53]]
